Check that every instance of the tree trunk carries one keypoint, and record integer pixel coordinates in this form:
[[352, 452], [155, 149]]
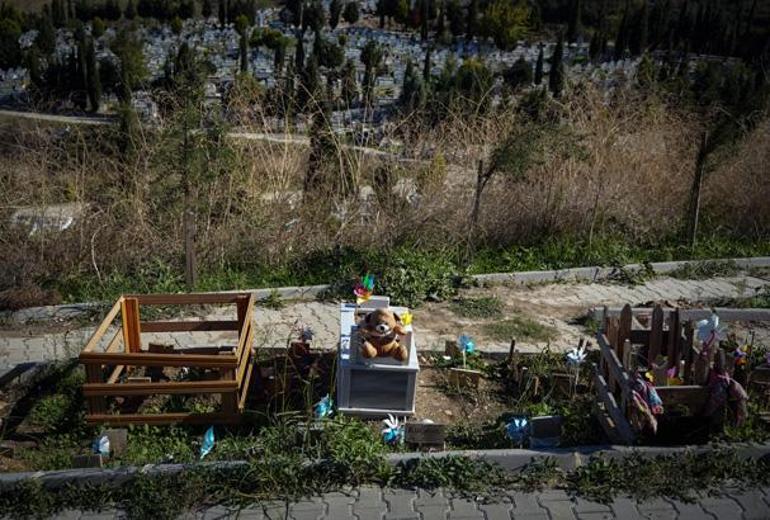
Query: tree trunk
[[695, 193]]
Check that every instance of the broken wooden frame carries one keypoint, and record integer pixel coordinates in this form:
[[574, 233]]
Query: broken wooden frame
[[668, 332], [124, 351]]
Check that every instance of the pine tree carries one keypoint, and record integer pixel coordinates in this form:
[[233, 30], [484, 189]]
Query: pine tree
[[207, 9], [335, 11], [539, 67], [222, 13], [424, 4], [299, 54], [371, 58], [595, 48], [426, 68], [573, 29], [46, 37], [244, 52], [556, 76], [621, 41]]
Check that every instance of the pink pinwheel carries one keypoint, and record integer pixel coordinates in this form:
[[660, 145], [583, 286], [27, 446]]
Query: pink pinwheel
[[364, 288]]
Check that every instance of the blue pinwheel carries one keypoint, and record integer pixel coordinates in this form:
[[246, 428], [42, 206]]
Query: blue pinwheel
[[208, 442], [393, 432], [324, 407], [467, 345], [518, 429], [101, 446]]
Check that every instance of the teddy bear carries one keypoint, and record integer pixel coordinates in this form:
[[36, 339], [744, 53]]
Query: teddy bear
[[380, 331]]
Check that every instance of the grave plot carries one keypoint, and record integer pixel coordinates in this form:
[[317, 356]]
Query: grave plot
[[128, 378], [680, 376]]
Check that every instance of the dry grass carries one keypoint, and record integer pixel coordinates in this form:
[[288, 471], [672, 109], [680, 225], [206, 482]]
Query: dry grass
[[628, 170]]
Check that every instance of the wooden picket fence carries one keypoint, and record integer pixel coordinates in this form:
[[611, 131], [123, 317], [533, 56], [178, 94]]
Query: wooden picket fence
[[624, 341], [229, 369]]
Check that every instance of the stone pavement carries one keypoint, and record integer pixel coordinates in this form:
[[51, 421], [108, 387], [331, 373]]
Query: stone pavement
[[554, 305], [389, 504]]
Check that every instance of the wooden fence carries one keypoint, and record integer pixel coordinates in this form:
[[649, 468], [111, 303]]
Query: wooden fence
[[229, 368], [626, 342]]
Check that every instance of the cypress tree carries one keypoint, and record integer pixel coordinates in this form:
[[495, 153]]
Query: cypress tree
[[424, 20], [349, 88], [299, 54], [426, 65], [595, 48], [207, 9], [639, 41], [473, 19], [130, 11], [556, 76], [94, 85], [244, 50], [621, 41], [539, 67], [222, 13], [573, 29], [351, 14], [335, 10]]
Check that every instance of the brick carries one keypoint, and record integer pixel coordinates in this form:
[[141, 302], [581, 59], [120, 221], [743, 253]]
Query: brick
[[307, 509], [585, 506], [723, 508], [430, 499]]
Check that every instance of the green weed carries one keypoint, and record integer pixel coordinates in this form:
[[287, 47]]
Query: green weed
[[519, 328], [705, 269], [484, 307]]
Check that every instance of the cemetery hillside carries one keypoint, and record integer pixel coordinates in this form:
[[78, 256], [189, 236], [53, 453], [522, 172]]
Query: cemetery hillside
[[385, 258]]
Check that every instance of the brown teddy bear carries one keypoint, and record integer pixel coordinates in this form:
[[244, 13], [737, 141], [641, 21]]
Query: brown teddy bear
[[380, 333]]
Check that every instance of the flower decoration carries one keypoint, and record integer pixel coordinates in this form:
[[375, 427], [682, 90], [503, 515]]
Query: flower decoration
[[672, 377], [393, 432], [323, 408], [406, 318], [467, 345], [518, 429], [364, 288], [649, 376], [741, 356], [101, 446], [208, 442], [576, 356]]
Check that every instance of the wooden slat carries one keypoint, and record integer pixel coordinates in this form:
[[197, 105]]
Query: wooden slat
[[115, 374], [229, 399], [692, 396], [166, 388], [617, 415], [245, 357], [186, 299], [114, 343], [674, 340], [96, 404], [624, 330], [613, 363], [159, 360], [103, 326], [656, 335], [245, 325], [245, 387], [188, 326], [131, 326], [165, 418]]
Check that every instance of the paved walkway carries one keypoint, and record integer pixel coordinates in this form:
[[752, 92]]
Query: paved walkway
[[554, 305], [374, 503]]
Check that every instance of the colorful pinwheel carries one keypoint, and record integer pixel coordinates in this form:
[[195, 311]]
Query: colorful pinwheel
[[741, 356], [406, 318], [208, 442], [518, 429], [393, 432], [324, 407], [576, 356], [306, 334], [101, 446], [709, 332], [467, 345], [364, 288]]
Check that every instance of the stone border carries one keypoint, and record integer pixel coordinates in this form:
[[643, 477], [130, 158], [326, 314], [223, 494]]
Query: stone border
[[591, 274], [510, 459]]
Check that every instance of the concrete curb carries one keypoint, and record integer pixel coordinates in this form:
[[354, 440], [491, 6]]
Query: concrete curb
[[591, 274], [510, 459]]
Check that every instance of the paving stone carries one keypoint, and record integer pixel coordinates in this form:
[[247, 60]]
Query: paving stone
[[723, 508], [586, 506], [433, 512], [625, 508], [558, 504], [400, 502], [431, 499], [338, 505], [464, 508], [219, 512], [689, 511], [525, 506], [753, 503], [364, 514], [497, 510], [307, 509]]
